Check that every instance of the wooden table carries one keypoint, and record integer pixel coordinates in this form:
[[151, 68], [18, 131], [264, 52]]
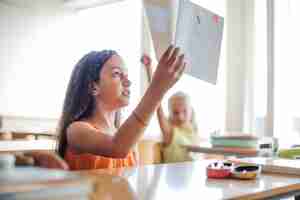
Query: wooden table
[[186, 181]]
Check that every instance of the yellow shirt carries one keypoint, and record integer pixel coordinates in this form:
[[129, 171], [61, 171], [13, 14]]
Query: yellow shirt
[[174, 152]]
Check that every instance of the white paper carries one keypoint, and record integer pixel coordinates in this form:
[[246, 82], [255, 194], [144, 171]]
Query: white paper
[[199, 35]]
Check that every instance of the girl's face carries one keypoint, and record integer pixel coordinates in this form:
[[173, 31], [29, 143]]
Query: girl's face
[[113, 87], [181, 111]]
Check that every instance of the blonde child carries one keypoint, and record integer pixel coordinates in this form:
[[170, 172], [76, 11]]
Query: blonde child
[[179, 129]]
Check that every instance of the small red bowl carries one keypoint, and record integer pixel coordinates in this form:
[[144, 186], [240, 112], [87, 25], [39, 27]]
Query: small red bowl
[[219, 170]]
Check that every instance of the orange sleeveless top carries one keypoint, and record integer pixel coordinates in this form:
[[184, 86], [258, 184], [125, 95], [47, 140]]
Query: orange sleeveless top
[[91, 161]]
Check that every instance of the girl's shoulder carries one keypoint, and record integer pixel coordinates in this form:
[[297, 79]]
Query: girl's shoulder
[[81, 123], [80, 126]]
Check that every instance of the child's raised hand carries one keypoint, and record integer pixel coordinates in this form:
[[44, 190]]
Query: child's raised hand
[[146, 60]]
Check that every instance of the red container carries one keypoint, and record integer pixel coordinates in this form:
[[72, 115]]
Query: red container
[[219, 170]]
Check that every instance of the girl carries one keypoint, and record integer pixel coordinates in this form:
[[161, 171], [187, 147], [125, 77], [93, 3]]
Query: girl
[[90, 134], [179, 128]]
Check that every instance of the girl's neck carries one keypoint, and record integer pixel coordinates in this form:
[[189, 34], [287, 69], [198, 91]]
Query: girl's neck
[[103, 118]]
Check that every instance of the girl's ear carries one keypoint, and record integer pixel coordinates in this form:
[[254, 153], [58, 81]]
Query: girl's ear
[[94, 89]]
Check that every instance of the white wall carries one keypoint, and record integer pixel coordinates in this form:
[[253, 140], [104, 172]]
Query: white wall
[[250, 30], [25, 61], [239, 33], [25, 65]]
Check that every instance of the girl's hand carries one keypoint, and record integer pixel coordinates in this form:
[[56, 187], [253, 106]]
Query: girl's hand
[[48, 160], [170, 68]]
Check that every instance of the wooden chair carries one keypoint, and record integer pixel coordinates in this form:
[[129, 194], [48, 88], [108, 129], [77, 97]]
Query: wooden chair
[[150, 152]]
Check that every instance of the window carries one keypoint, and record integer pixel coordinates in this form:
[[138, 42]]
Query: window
[[287, 82], [286, 67]]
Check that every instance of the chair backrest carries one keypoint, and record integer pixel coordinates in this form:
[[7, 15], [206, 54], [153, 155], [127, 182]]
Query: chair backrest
[[150, 152]]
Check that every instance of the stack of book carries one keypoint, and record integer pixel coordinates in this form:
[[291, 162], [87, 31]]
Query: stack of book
[[236, 142], [44, 184]]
